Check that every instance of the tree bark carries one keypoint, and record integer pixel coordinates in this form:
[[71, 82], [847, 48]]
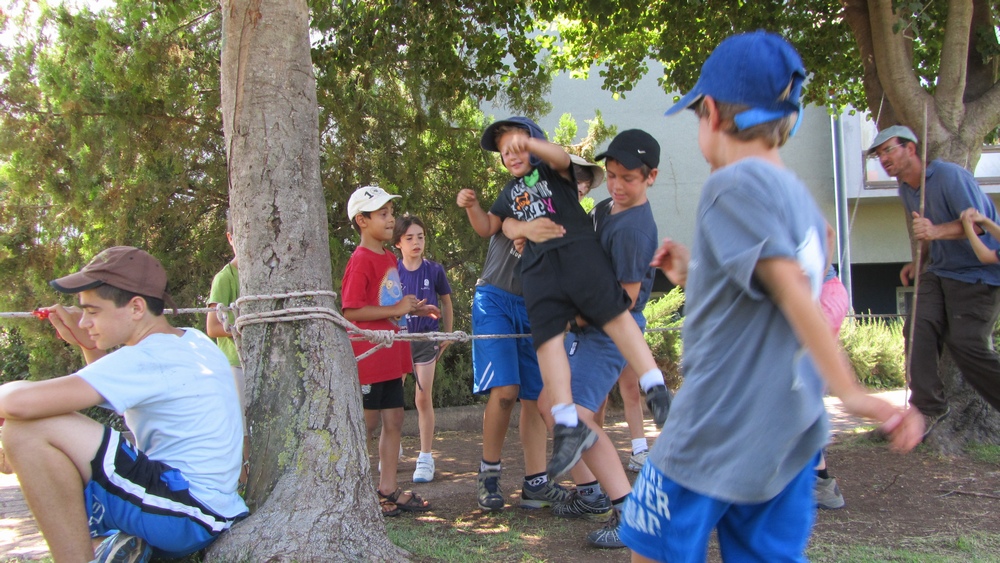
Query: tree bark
[[310, 489]]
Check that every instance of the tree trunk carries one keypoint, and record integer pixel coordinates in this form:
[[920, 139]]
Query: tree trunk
[[310, 489], [971, 420]]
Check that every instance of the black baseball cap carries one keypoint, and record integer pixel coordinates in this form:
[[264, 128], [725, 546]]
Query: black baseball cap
[[633, 148]]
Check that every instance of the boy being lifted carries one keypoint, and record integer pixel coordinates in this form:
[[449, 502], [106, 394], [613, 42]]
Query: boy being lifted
[[567, 278]]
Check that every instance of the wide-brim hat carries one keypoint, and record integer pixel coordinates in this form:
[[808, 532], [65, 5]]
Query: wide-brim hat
[[595, 169]]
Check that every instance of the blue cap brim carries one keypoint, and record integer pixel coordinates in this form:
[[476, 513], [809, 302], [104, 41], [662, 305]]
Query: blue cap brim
[[686, 101]]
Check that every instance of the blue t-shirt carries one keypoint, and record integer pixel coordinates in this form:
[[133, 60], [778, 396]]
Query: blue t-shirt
[[550, 196], [951, 190], [749, 416], [178, 398], [426, 282], [630, 240]]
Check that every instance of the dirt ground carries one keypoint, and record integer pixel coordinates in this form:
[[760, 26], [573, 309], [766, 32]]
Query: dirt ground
[[892, 500]]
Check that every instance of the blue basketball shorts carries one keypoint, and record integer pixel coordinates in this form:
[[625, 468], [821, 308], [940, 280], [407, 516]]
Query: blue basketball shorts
[[664, 521], [131, 493], [498, 362], [595, 364]]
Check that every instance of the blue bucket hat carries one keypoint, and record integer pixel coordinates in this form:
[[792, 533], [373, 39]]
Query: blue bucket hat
[[759, 69], [489, 142]]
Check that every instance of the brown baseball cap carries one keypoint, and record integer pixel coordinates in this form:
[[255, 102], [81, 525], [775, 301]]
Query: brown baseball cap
[[124, 267]]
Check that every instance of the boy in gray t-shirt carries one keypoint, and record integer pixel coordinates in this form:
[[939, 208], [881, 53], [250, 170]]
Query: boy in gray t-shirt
[[747, 427]]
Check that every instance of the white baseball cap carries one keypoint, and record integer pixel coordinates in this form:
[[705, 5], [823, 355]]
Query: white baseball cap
[[367, 198]]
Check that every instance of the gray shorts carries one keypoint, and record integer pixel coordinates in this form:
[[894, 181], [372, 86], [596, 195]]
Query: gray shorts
[[423, 351]]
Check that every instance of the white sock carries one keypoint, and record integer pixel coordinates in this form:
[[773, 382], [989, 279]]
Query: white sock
[[565, 414], [483, 466], [425, 456], [651, 379], [639, 445]]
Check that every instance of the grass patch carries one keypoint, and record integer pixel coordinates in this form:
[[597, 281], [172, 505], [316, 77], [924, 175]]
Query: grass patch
[[974, 546], [491, 538], [987, 453]]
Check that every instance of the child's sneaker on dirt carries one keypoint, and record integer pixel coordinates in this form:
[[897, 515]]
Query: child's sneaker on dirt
[[424, 473], [544, 496], [827, 494], [490, 495], [578, 507], [636, 462], [568, 444], [123, 548], [607, 537]]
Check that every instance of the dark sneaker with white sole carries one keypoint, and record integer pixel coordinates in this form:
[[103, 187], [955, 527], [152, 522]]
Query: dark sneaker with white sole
[[549, 495], [658, 399], [568, 444], [578, 507], [490, 495], [607, 537]]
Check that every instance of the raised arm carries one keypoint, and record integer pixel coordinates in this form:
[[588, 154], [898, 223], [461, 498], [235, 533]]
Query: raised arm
[[485, 224], [970, 218]]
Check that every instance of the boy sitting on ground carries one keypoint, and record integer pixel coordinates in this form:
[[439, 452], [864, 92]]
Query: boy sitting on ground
[[174, 491]]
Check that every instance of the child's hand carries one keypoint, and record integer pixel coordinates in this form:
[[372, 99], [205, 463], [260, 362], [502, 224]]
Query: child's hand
[[519, 244], [673, 259], [542, 229], [427, 310], [467, 198], [66, 321], [972, 216], [903, 427]]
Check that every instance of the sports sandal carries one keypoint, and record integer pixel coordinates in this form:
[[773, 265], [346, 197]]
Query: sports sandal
[[415, 504], [389, 508]]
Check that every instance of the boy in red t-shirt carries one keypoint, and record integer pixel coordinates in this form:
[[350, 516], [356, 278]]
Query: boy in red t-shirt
[[373, 299]]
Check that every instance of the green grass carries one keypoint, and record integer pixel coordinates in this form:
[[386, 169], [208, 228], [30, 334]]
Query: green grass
[[940, 548], [504, 536], [985, 452]]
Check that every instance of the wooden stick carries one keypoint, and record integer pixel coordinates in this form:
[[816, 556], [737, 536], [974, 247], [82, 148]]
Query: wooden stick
[[917, 266]]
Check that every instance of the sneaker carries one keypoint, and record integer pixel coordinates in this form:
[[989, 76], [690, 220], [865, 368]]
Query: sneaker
[[123, 548], [424, 472], [636, 462], [607, 537], [931, 421], [658, 400], [827, 494], [550, 494], [490, 495], [568, 443], [578, 507]]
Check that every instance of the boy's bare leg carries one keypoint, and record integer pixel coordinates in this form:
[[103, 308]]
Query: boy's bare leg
[[602, 460], [496, 419], [628, 386], [51, 457], [388, 448], [554, 365], [423, 398], [534, 433]]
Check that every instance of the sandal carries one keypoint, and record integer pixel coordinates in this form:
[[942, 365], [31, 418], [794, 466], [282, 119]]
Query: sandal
[[389, 507], [415, 504]]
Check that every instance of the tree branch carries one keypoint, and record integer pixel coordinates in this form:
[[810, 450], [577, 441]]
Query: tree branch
[[893, 60], [948, 97]]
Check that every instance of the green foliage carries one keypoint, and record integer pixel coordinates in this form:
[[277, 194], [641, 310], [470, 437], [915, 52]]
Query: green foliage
[[14, 355], [875, 349], [663, 322]]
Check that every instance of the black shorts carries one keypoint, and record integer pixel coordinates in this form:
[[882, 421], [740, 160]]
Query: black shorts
[[570, 280], [383, 395]]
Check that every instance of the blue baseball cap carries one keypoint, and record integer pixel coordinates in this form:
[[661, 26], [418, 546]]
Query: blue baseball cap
[[759, 69], [489, 142]]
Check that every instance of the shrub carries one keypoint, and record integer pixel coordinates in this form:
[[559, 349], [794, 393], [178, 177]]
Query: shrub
[[875, 349], [663, 321]]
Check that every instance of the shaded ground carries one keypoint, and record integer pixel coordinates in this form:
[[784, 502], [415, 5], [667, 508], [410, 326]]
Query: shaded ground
[[892, 501]]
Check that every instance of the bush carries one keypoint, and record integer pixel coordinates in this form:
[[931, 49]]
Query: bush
[[875, 349], [663, 321]]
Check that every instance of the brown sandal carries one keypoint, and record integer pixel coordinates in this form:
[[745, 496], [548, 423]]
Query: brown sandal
[[415, 504], [389, 507]]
